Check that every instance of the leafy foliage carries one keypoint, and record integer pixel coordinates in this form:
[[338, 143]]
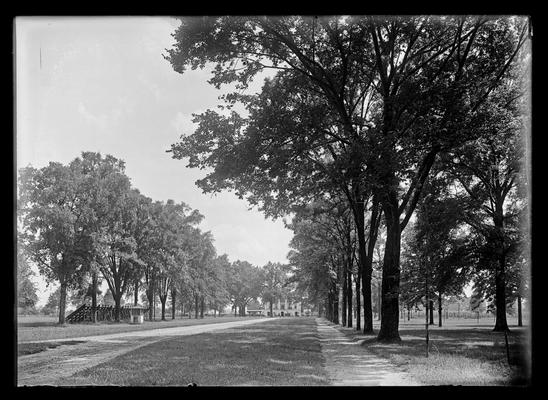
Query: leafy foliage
[[26, 289]]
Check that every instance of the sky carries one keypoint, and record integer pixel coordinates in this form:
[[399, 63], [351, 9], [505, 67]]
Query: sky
[[101, 84]]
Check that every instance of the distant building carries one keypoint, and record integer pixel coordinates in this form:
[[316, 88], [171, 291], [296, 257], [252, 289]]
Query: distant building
[[254, 309], [286, 308]]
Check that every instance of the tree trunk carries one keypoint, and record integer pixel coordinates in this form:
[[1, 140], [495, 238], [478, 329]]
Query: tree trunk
[[271, 309], [431, 312], [329, 307], [367, 300], [62, 301], [344, 287], [196, 306], [365, 259], [163, 299], [349, 321], [520, 321], [94, 284], [150, 306], [335, 305], [391, 271], [379, 302], [173, 299], [150, 297], [501, 324], [136, 292], [358, 302], [439, 309], [202, 307], [117, 305]]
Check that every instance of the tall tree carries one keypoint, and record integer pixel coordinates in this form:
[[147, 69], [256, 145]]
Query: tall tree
[[94, 168], [274, 280], [316, 261], [201, 256], [217, 283], [54, 218], [334, 225], [174, 222], [487, 171], [438, 247], [143, 235], [115, 243], [447, 60], [245, 284]]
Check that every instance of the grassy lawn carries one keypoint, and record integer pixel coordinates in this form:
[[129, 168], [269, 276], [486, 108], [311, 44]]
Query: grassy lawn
[[36, 328], [279, 352], [461, 353]]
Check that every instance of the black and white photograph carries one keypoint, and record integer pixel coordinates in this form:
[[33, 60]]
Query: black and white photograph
[[272, 200]]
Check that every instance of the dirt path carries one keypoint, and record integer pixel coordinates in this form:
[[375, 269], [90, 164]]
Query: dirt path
[[349, 364], [54, 367]]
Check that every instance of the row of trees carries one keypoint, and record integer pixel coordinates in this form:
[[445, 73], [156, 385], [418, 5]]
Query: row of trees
[[442, 253], [83, 223], [360, 114]]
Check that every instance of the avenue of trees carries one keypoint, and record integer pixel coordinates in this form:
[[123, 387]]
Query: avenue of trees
[[83, 223], [408, 129]]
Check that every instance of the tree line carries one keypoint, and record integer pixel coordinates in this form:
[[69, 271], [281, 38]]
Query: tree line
[[83, 223], [406, 129]]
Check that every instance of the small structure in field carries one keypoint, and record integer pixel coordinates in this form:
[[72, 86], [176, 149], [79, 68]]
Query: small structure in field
[[254, 309], [84, 313]]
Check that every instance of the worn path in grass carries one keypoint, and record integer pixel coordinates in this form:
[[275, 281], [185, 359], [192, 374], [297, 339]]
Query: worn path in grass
[[349, 364], [52, 366]]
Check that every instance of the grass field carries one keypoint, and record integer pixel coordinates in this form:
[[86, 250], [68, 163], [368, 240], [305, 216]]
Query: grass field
[[278, 353], [37, 328], [462, 352], [287, 352]]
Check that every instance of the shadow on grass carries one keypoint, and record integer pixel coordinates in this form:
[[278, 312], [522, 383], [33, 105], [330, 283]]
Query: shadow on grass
[[274, 355], [467, 348], [35, 324], [24, 349], [483, 345], [459, 354]]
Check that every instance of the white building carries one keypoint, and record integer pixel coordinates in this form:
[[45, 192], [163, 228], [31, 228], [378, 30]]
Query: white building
[[286, 308]]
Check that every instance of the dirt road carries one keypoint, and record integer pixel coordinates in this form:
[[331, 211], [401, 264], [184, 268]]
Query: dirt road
[[349, 364]]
